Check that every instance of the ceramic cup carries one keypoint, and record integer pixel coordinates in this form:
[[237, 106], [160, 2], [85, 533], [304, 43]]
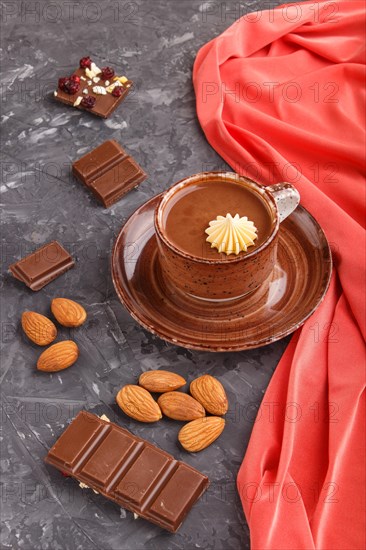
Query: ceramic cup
[[217, 278]]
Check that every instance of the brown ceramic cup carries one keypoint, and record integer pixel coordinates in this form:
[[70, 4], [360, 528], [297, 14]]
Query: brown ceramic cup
[[217, 278]]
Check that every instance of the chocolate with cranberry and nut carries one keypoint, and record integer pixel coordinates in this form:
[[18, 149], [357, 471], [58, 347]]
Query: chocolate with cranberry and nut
[[93, 89], [108, 172]]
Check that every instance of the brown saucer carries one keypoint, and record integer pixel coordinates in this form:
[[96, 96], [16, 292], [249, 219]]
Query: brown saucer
[[290, 295]]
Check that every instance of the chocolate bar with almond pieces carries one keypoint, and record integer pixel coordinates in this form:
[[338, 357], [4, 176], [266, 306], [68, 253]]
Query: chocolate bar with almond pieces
[[108, 172], [128, 470]]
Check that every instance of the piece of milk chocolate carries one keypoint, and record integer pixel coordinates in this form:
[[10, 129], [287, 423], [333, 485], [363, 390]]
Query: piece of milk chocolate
[[109, 172], [42, 266], [127, 470]]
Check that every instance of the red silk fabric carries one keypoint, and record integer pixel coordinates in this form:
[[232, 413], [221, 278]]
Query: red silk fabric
[[280, 96]]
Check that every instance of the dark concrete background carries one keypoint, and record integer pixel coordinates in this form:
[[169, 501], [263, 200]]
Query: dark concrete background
[[154, 43]]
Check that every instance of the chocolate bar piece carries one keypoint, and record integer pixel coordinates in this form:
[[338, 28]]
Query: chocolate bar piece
[[42, 266], [109, 172], [92, 89], [128, 470]]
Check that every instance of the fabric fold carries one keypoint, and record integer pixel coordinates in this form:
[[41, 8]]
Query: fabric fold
[[281, 97]]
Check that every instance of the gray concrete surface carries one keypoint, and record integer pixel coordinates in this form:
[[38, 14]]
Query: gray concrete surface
[[154, 43]]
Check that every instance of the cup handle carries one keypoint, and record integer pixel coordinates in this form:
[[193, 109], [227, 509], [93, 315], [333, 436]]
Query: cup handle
[[286, 196]]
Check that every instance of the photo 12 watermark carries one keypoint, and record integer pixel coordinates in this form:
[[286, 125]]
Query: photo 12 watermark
[[271, 12], [65, 11], [269, 92]]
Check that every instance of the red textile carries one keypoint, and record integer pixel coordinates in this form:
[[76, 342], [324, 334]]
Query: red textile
[[280, 96]]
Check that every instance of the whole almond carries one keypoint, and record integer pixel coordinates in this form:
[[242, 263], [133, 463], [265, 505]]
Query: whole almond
[[210, 393], [138, 403], [67, 312], [161, 381], [180, 406], [60, 356], [199, 434], [38, 328]]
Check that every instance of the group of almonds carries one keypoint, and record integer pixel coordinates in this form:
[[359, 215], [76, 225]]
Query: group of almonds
[[207, 395], [42, 331]]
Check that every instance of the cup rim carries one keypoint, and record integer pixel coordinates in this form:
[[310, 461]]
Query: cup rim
[[224, 175]]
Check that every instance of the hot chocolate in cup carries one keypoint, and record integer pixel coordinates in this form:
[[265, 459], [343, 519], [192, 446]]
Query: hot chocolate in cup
[[189, 263]]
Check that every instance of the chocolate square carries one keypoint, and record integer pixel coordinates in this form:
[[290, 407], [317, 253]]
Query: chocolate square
[[142, 475], [108, 457], [109, 172], [42, 266]]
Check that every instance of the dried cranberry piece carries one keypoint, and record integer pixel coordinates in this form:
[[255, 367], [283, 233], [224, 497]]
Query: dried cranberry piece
[[88, 102], [71, 87], [117, 91], [107, 73], [62, 83], [85, 62]]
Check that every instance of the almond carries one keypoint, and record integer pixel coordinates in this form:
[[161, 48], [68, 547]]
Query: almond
[[38, 328], [210, 393], [138, 403], [199, 434], [161, 381], [180, 406], [60, 356], [67, 312]]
